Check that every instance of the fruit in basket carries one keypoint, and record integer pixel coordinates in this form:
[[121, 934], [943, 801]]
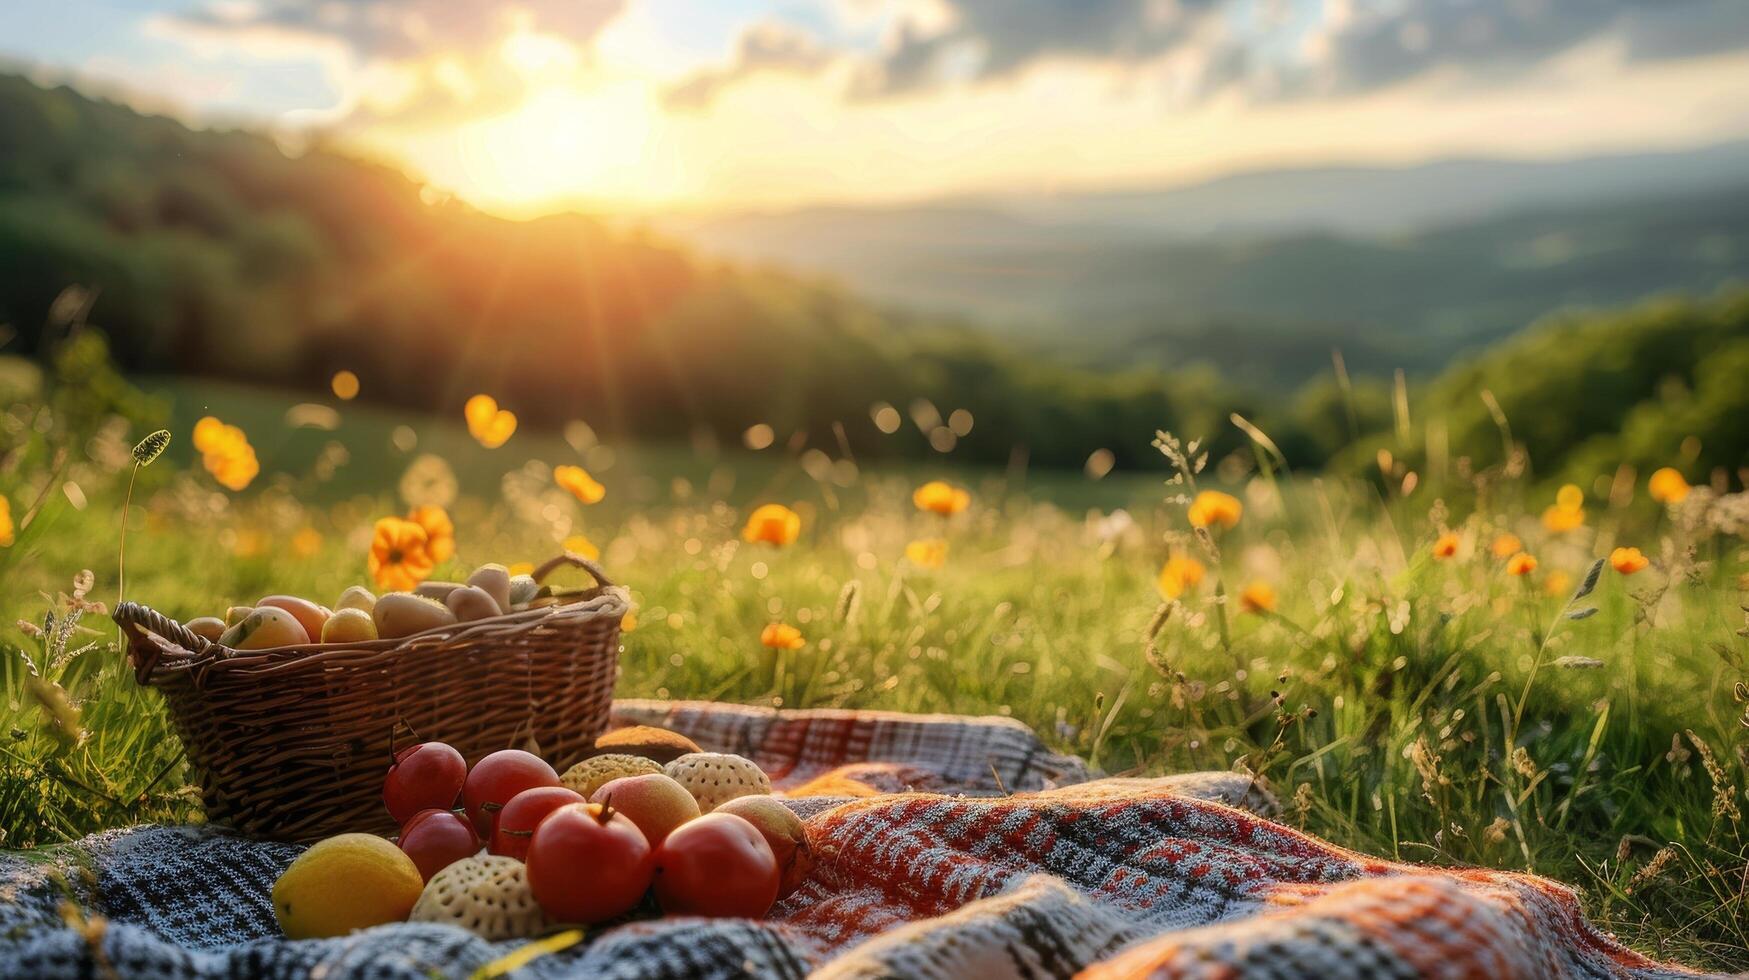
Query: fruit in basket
[[523, 589], [265, 627], [435, 591], [401, 614], [715, 778], [717, 865], [236, 614], [648, 741], [206, 627], [486, 895], [356, 597], [345, 883], [495, 781], [472, 602], [588, 863], [309, 615], [524, 812], [654, 802], [424, 776], [593, 773], [494, 580], [782, 830], [436, 839], [349, 626]]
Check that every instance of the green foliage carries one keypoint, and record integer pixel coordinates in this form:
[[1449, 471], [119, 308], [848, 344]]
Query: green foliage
[[1657, 385], [214, 253]]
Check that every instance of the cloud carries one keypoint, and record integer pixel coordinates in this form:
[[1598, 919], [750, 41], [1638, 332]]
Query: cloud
[[398, 60], [987, 40], [766, 47], [1287, 47], [395, 29], [1375, 50]]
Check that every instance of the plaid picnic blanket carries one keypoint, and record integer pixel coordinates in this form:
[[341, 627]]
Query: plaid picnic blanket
[[948, 847]]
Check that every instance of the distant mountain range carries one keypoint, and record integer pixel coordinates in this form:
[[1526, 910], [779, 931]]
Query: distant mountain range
[[1399, 267]]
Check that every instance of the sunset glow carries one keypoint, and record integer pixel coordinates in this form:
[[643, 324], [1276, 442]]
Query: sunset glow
[[641, 105]]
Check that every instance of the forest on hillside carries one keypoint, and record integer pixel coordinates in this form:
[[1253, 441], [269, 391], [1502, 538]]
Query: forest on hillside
[[217, 253]]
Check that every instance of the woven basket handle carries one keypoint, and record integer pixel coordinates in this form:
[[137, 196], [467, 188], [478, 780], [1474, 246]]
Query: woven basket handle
[[133, 617], [571, 559]]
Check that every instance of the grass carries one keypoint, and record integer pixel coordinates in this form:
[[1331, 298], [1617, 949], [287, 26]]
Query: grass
[[1427, 710]]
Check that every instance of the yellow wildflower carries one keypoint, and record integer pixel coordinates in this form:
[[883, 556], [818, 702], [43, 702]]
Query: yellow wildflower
[[1179, 575], [927, 553], [941, 498], [398, 557], [1258, 597], [1446, 546], [1628, 560], [782, 636], [490, 425], [773, 524], [226, 453], [1213, 507], [1668, 487], [581, 485], [439, 531], [1568, 511]]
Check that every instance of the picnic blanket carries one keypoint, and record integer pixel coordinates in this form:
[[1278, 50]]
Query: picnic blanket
[[948, 847]]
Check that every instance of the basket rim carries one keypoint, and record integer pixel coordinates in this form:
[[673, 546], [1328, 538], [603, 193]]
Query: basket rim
[[145, 624]]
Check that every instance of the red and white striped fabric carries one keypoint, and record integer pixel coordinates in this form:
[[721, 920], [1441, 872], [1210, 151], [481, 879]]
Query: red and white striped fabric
[[1172, 877]]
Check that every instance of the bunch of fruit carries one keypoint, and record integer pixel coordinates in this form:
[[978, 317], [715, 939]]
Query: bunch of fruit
[[359, 615], [511, 848]]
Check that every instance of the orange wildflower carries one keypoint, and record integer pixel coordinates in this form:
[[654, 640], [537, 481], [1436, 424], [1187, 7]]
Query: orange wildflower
[[1258, 597], [1667, 486], [1628, 560], [1446, 546], [439, 531], [490, 425], [581, 485], [1179, 575], [1521, 564], [7, 532], [782, 636], [941, 498], [1213, 507], [773, 524], [398, 559], [583, 546], [927, 553], [1506, 545]]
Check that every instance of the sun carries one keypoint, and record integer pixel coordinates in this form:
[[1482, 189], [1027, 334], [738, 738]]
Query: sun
[[564, 145]]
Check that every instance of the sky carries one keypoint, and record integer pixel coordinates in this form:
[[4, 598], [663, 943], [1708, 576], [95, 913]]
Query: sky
[[633, 106]]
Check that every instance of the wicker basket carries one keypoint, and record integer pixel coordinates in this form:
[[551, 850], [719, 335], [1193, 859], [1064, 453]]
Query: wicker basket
[[293, 742]]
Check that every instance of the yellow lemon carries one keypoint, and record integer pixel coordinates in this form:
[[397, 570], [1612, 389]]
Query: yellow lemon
[[345, 883], [349, 626]]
